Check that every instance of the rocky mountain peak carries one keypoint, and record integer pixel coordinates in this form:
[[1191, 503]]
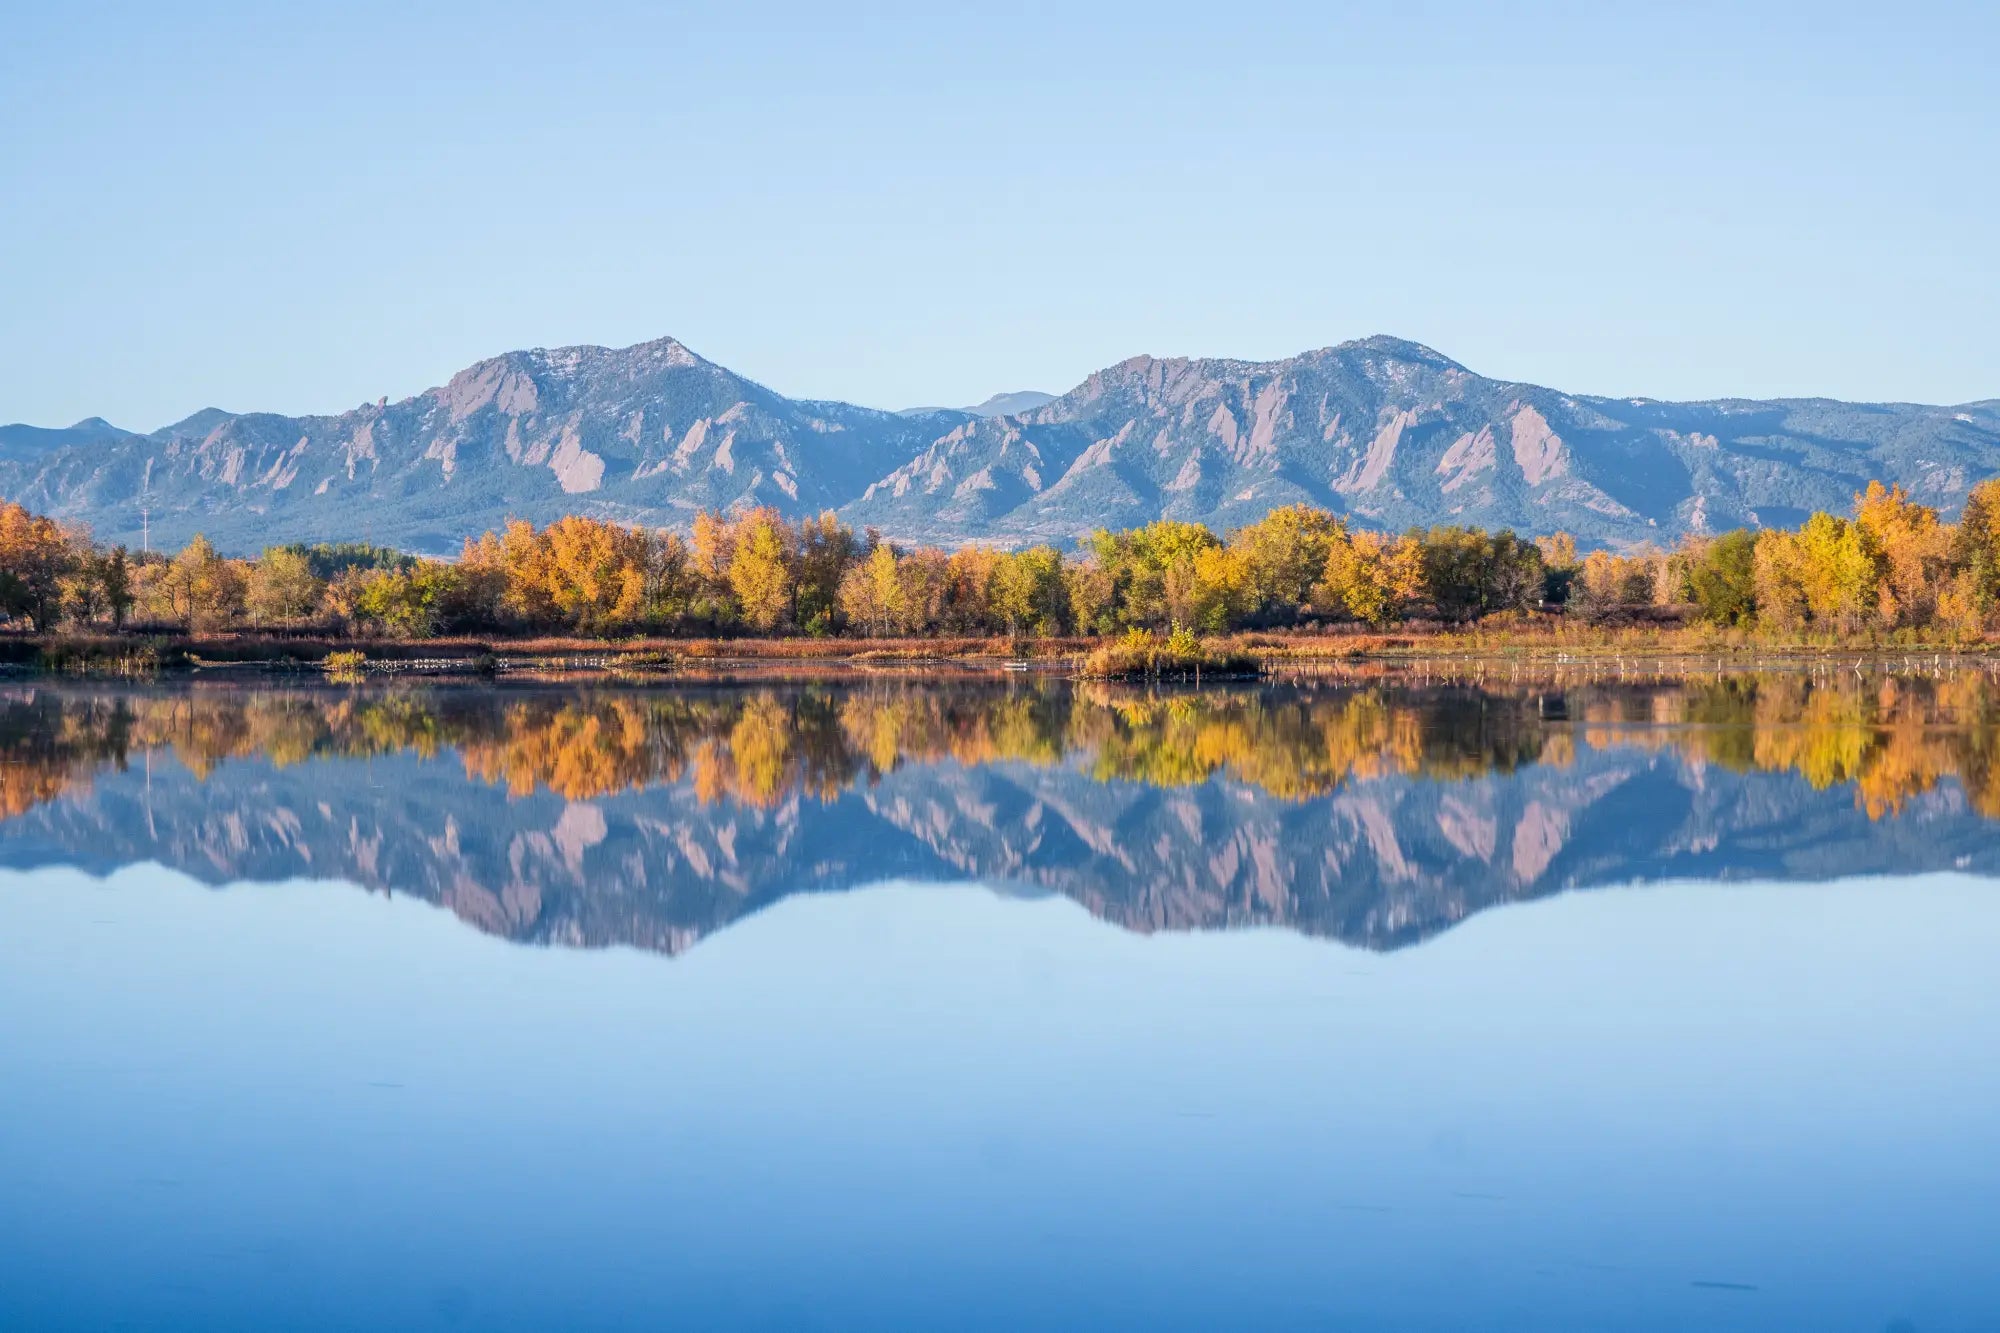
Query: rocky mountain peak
[[1388, 431], [197, 423], [1398, 349]]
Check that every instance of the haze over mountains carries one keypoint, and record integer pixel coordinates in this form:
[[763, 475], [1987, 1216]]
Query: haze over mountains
[[1389, 432], [999, 405]]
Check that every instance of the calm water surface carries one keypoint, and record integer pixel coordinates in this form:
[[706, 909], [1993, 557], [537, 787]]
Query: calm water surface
[[1367, 1004]]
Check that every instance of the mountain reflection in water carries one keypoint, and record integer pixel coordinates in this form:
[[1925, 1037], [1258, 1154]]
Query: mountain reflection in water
[[1376, 811]]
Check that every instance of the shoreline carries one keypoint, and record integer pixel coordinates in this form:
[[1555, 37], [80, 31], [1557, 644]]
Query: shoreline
[[1269, 656]]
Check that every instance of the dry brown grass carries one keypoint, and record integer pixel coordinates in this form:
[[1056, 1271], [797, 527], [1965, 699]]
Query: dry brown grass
[[1516, 637]]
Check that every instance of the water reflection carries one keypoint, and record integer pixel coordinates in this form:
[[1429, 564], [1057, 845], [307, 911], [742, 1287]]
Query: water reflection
[[1377, 811]]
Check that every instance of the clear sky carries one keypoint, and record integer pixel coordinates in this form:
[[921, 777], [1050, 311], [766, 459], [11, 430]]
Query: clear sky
[[301, 207]]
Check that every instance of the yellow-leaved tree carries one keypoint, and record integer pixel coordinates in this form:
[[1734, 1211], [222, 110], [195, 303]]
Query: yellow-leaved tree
[[595, 573], [760, 568], [1371, 576], [1912, 551]]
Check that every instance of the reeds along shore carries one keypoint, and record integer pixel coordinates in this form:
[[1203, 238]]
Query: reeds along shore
[[1891, 573]]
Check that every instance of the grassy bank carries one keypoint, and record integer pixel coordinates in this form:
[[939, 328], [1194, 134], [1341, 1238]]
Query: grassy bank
[[1136, 655]]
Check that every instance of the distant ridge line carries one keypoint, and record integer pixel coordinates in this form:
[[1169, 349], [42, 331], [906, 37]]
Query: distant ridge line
[[1389, 432]]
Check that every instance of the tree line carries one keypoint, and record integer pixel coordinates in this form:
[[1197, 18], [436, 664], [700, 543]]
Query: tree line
[[1892, 565]]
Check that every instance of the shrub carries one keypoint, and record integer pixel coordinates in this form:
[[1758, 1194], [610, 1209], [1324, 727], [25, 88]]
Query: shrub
[[345, 667], [1140, 654]]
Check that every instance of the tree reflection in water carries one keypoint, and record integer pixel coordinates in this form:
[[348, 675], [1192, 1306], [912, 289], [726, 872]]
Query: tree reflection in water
[[1889, 736], [1376, 810]]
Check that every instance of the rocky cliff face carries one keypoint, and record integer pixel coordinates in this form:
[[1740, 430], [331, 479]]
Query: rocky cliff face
[[1390, 432], [1396, 434], [645, 434]]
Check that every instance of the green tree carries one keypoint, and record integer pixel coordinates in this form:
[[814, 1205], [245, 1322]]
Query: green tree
[[1152, 570], [114, 575], [1027, 591], [823, 550], [1469, 573], [1722, 579], [408, 603]]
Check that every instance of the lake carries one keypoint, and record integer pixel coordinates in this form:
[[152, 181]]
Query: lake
[[1431, 998]]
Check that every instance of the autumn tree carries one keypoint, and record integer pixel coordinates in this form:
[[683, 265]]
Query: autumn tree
[[1284, 557], [1606, 585], [1221, 590], [924, 580], [523, 557], [1371, 576], [99, 583], [482, 598], [968, 608], [760, 571], [1912, 553], [408, 603], [1093, 594], [1779, 578], [1027, 593], [671, 584], [282, 586], [594, 574], [206, 587], [1976, 543], [1838, 567], [711, 548], [868, 590], [1824, 574], [35, 557]]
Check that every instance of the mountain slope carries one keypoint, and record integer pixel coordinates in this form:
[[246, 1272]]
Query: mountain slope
[[647, 434], [1397, 434], [1387, 431], [999, 405], [19, 441], [1012, 404]]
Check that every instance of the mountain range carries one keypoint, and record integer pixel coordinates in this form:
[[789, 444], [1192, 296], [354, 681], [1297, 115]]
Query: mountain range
[[1389, 432]]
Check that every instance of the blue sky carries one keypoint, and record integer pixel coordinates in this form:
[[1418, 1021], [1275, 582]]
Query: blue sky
[[300, 208]]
